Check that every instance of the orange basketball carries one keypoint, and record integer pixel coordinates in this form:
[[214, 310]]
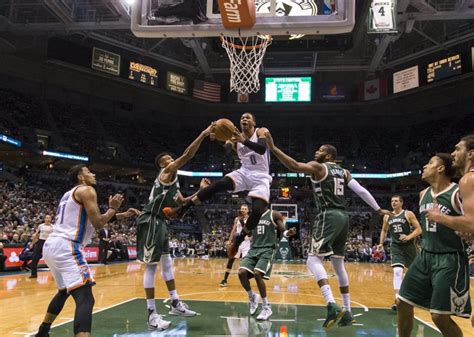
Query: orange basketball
[[224, 129]]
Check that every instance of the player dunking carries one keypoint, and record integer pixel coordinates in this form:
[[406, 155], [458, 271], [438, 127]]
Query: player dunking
[[152, 232], [258, 262], [438, 279], [329, 232], [252, 176], [77, 216], [403, 248], [239, 223]]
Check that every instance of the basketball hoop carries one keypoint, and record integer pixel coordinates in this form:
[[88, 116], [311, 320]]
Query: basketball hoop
[[245, 56]]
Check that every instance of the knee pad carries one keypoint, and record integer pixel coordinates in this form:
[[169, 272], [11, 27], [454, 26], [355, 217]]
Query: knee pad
[[149, 276], [397, 277], [58, 301], [315, 266], [340, 270], [167, 268], [84, 304]]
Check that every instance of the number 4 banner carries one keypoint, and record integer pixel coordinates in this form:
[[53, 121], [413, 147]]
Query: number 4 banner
[[382, 16]]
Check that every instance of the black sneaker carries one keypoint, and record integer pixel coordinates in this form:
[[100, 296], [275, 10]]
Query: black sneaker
[[223, 283]]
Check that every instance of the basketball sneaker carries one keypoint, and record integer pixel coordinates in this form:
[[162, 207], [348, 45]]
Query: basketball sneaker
[[347, 319], [155, 322], [223, 283], [181, 309], [334, 313], [265, 313], [253, 302]]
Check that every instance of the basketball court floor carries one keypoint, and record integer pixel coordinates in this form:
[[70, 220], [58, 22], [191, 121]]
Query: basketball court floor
[[297, 304]]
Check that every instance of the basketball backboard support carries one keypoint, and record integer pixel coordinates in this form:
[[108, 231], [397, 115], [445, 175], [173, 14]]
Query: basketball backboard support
[[274, 17]]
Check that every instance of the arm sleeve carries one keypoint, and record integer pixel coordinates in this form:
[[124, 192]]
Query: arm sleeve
[[363, 194], [259, 147]]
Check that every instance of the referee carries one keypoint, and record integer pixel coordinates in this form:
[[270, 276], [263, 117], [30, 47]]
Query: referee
[[39, 238]]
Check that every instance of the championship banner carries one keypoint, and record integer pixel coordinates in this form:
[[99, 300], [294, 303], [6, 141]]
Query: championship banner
[[284, 250], [382, 16]]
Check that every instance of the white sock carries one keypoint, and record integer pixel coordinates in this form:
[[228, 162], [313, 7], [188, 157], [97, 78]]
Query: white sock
[[327, 293], [264, 301], [250, 292], [346, 302], [150, 304], [174, 295]]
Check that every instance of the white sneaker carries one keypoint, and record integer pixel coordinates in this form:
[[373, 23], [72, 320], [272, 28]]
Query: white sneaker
[[181, 309], [254, 304], [265, 313], [155, 322]]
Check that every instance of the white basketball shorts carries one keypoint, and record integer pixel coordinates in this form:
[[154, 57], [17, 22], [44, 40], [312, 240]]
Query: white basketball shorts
[[257, 183], [67, 262]]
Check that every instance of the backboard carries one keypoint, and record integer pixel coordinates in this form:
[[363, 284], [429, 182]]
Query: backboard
[[274, 17]]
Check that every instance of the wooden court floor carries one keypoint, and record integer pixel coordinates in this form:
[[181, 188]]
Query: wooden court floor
[[23, 301]]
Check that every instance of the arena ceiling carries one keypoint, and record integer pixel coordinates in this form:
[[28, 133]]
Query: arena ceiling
[[425, 27]]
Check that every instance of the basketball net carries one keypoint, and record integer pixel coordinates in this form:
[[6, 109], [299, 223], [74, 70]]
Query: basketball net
[[245, 56]]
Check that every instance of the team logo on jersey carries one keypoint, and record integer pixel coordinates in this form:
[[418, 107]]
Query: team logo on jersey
[[289, 7]]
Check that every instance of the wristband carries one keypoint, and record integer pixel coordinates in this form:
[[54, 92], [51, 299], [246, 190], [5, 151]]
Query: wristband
[[285, 234]]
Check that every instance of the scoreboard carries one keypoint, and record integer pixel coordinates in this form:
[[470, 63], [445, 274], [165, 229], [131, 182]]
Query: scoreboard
[[444, 68], [143, 73], [105, 61]]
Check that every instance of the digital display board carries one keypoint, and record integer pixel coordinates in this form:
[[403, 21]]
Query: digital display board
[[176, 83], [288, 89], [143, 73], [444, 68], [335, 92], [406, 79], [106, 61]]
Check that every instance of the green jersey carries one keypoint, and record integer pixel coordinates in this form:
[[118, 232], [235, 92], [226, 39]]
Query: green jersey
[[329, 191], [397, 225], [265, 234], [162, 195], [436, 237]]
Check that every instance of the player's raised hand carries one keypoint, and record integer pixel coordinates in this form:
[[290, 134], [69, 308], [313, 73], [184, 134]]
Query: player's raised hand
[[204, 183], [115, 201], [238, 137], [291, 231], [209, 130], [269, 139]]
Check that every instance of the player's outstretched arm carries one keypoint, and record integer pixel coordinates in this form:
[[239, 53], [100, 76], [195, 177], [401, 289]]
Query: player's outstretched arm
[[364, 195], [189, 152], [416, 227], [87, 196], [465, 222], [383, 232], [313, 167], [182, 200]]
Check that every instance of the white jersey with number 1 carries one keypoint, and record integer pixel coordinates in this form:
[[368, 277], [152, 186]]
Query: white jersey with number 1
[[250, 159], [71, 221]]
